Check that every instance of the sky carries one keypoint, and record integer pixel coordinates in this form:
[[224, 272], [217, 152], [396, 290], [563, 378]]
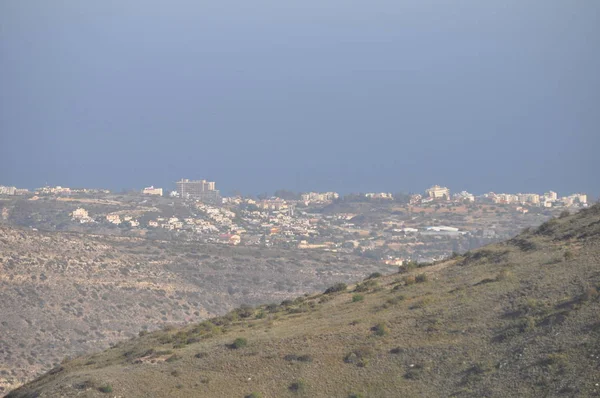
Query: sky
[[321, 95]]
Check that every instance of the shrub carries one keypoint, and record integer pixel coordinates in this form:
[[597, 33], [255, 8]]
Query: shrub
[[409, 265], [355, 395], [421, 278], [396, 300], [253, 395], [297, 386], [338, 287], [374, 275], [240, 342], [173, 358], [298, 358], [107, 388], [568, 255], [564, 213], [503, 275], [414, 372], [366, 286], [590, 294], [357, 297], [245, 311], [409, 280], [359, 357], [380, 329]]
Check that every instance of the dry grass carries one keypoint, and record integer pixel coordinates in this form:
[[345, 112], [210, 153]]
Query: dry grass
[[502, 321]]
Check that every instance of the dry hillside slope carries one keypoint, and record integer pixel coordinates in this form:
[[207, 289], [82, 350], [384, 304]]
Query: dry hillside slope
[[516, 319], [68, 294]]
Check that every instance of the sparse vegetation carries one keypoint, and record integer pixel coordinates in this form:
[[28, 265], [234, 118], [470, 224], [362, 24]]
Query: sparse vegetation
[[357, 298], [106, 388], [533, 335], [338, 287], [380, 329], [359, 357], [298, 358], [240, 342], [298, 386]]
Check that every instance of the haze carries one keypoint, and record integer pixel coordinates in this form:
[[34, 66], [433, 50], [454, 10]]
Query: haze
[[337, 95]]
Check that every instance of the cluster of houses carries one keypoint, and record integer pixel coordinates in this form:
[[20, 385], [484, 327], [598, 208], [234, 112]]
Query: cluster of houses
[[548, 199], [4, 190]]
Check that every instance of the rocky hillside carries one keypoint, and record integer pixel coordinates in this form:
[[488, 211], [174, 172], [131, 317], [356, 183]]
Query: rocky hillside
[[67, 294], [517, 319]]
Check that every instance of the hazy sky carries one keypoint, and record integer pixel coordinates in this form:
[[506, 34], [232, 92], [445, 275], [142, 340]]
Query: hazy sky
[[305, 95]]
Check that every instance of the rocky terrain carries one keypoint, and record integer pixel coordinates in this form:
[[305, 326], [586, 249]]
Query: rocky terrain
[[66, 294], [514, 319]]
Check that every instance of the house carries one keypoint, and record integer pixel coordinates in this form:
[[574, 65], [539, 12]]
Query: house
[[152, 191], [81, 215], [113, 218]]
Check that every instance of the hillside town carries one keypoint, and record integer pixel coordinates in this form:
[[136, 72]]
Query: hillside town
[[393, 229]]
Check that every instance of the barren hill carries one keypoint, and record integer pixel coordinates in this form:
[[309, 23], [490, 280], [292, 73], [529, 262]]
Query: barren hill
[[516, 319], [66, 294]]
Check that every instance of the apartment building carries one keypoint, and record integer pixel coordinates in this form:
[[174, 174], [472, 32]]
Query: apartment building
[[198, 189], [437, 192]]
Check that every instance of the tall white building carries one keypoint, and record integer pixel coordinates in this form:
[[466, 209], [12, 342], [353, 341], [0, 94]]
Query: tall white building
[[437, 192]]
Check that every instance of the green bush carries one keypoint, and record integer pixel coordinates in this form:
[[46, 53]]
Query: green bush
[[297, 386], [396, 300], [366, 286], [421, 278], [240, 342], [359, 357], [338, 287], [380, 329], [568, 255], [173, 358], [374, 275], [298, 358], [107, 388], [357, 297]]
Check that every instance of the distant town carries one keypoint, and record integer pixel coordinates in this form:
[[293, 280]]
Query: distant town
[[390, 228]]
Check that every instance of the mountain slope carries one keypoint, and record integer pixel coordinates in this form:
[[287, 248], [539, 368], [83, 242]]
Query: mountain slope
[[67, 294], [520, 318]]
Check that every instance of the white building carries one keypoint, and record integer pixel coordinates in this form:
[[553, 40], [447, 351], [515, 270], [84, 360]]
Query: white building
[[113, 218], [7, 190], [464, 196], [551, 196], [81, 215], [379, 195], [437, 192], [152, 191]]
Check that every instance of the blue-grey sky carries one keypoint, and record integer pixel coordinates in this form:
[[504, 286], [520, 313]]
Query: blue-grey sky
[[342, 95]]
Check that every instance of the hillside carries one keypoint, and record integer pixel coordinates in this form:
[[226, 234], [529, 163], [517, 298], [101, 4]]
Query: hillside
[[68, 294], [519, 319]]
